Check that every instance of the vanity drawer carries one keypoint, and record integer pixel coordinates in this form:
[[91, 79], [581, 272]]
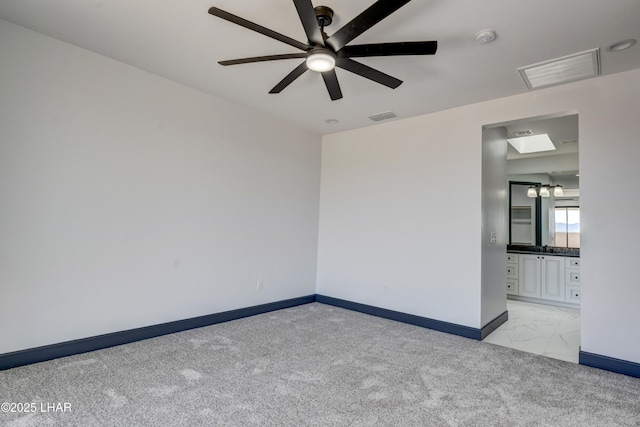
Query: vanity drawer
[[572, 262], [512, 258], [572, 278], [512, 287], [512, 271], [572, 294]]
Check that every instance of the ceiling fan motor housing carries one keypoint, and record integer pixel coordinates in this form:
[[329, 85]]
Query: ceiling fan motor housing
[[324, 15]]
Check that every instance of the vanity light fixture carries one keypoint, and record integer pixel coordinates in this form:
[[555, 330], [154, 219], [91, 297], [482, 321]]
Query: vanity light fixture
[[544, 191], [557, 191]]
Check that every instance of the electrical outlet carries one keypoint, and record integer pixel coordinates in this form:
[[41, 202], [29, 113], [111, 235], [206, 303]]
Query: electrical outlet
[[385, 289], [260, 284], [494, 238]]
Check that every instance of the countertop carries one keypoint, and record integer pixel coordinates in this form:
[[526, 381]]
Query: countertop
[[545, 250]]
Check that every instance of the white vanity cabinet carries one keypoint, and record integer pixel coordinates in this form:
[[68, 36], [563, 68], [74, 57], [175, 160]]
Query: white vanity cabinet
[[544, 278], [572, 280], [530, 276], [512, 274], [552, 278]]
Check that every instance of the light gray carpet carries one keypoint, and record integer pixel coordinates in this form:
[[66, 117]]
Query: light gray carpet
[[317, 365]]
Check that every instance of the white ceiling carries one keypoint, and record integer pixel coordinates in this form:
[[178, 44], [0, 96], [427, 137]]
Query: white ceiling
[[562, 163], [179, 40], [563, 132]]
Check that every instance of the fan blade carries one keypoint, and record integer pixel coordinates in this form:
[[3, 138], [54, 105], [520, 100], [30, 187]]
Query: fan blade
[[297, 72], [368, 72], [309, 21], [257, 28], [331, 81], [263, 58], [390, 49], [361, 23]]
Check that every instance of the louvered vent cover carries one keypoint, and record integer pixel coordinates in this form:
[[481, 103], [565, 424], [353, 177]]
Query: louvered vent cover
[[383, 116], [523, 133]]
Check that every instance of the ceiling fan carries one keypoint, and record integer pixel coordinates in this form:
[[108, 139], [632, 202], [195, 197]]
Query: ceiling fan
[[322, 52]]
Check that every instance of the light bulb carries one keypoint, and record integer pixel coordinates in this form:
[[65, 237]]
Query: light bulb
[[544, 192], [531, 192], [557, 191]]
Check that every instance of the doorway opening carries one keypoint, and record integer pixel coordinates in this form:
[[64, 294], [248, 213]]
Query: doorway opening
[[542, 251]]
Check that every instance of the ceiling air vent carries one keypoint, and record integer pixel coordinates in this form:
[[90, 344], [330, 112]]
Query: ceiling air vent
[[569, 68], [383, 116], [523, 133]]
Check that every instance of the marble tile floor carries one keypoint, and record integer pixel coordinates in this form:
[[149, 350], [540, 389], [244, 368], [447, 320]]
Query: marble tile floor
[[540, 329]]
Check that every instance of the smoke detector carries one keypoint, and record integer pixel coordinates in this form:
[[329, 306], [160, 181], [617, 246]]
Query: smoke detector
[[485, 36]]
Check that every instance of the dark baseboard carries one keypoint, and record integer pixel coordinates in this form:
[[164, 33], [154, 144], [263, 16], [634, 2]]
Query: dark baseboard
[[84, 345], [425, 322], [609, 364], [493, 325]]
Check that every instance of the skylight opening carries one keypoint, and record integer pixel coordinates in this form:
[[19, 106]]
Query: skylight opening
[[532, 144]]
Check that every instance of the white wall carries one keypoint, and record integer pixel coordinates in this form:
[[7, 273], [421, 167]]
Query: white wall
[[391, 210], [128, 200], [533, 165], [495, 207], [391, 215]]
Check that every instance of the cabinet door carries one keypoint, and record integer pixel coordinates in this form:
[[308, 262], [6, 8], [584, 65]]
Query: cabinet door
[[529, 277], [552, 282]]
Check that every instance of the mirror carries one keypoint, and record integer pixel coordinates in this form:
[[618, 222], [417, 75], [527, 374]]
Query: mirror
[[539, 221], [524, 215]]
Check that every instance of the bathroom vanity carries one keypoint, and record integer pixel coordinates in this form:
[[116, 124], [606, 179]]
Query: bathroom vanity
[[545, 275]]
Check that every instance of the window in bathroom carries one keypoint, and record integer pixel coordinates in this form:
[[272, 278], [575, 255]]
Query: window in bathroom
[[567, 227]]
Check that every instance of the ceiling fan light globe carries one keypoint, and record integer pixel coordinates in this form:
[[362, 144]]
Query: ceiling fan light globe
[[321, 61]]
